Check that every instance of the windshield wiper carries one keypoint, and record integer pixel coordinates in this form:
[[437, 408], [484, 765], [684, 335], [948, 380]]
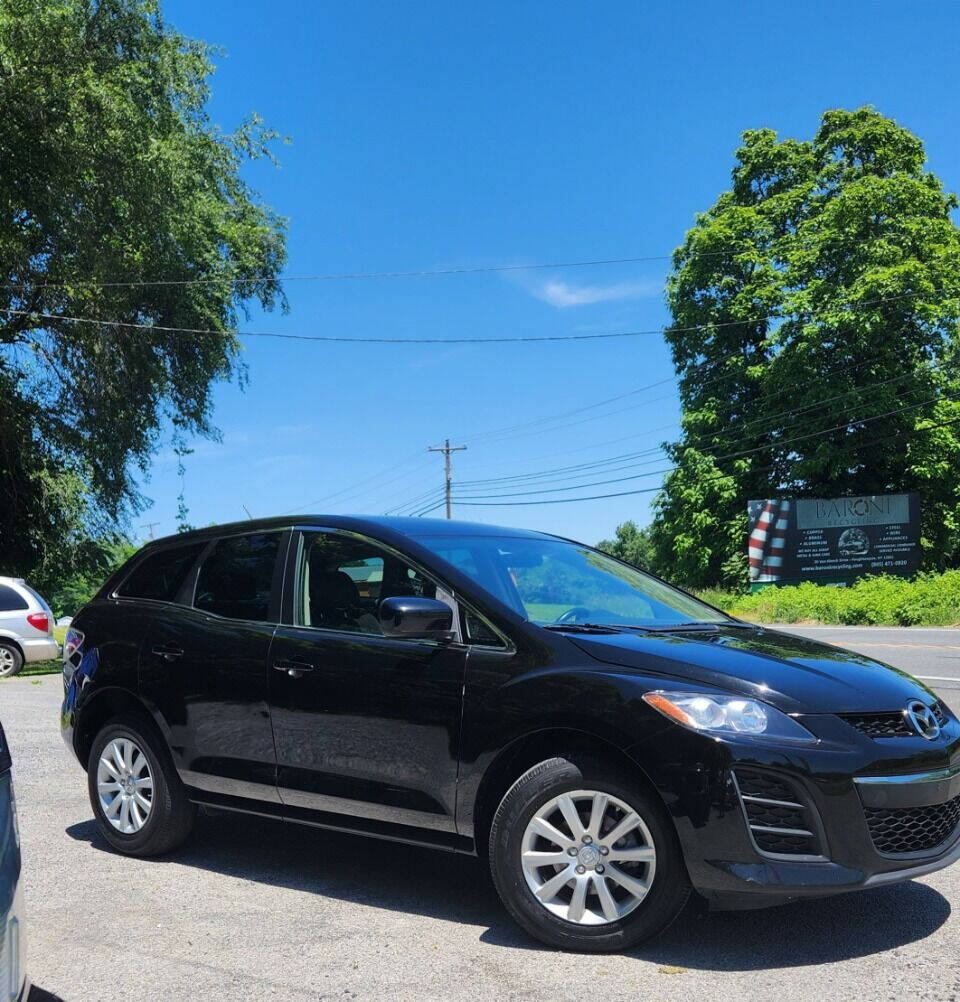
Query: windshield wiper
[[580, 627], [692, 627]]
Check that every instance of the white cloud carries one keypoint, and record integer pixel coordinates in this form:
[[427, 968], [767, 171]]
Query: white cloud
[[562, 294]]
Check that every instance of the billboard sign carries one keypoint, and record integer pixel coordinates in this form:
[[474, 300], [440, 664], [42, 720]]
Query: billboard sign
[[833, 539]]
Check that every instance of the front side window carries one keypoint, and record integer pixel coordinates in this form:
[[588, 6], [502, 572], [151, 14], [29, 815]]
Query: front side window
[[343, 580], [554, 581], [161, 575], [236, 577]]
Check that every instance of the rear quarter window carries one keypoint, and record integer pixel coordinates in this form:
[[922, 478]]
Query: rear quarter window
[[11, 600], [161, 575]]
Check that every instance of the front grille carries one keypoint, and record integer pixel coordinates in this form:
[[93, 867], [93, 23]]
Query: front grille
[[780, 817], [888, 725], [897, 831]]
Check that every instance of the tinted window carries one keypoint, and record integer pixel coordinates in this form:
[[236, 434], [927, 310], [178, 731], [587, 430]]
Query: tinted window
[[236, 579], [162, 574], [480, 632], [11, 599], [343, 580]]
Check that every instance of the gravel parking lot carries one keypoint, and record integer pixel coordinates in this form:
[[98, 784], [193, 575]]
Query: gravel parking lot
[[258, 910]]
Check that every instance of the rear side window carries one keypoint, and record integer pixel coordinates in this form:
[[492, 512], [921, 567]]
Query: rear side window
[[162, 574], [11, 600], [236, 579]]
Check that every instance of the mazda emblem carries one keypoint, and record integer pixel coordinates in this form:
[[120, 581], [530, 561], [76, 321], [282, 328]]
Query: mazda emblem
[[923, 719]]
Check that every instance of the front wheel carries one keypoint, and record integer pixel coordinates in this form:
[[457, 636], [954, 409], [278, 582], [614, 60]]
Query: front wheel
[[138, 800], [585, 858]]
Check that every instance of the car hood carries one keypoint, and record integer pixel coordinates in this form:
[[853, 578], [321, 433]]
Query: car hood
[[793, 673]]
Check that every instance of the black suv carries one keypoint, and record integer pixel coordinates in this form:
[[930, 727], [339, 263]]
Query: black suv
[[607, 741]]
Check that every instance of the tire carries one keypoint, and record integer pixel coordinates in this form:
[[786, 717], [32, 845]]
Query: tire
[[130, 828], [11, 660], [618, 919]]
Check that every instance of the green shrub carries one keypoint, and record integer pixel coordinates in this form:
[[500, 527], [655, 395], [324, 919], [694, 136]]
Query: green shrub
[[929, 599]]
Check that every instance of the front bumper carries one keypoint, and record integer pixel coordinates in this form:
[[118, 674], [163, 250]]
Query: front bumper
[[738, 850], [40, 649]]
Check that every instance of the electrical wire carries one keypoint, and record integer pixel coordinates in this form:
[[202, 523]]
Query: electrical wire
[[733, 455], [365, 275], [651, 490], [337, 339], [738, 429]]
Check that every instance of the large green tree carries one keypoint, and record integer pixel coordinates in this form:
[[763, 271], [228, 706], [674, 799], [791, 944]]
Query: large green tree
[[120, 201], [815, 313], [630, 543]]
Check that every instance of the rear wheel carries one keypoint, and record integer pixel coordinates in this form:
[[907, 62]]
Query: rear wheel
[[11, 660], [138, 800], [585, 858]]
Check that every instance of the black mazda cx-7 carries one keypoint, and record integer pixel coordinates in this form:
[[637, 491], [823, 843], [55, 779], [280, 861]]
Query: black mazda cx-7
[[607, 742]]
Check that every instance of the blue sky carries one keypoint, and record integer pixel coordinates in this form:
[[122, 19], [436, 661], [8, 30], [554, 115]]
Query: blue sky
[[433, 135]]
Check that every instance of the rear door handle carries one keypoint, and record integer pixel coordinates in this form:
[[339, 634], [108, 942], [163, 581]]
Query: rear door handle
[[168, 653], [295, 669]]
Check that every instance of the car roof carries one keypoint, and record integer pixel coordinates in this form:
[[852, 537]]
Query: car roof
[[12, 581], [410, 527]]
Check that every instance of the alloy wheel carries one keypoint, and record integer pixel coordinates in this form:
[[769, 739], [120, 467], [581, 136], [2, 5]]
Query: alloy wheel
[[8, 662], [588, 857], [125, 786]]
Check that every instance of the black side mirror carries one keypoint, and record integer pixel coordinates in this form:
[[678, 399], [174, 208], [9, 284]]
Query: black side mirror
[[416, 618]]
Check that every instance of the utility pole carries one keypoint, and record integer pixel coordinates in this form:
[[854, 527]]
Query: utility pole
[[446, 449], [149, 526]]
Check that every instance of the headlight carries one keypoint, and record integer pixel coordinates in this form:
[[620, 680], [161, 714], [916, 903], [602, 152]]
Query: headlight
[[716, 714]]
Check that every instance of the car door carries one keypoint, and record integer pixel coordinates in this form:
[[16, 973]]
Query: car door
[[366, 727], [204, 667]]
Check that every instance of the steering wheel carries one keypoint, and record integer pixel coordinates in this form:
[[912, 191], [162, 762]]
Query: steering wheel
[[574, 614]]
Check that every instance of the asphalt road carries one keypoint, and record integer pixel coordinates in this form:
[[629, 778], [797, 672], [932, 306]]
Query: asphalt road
[[257, 910], [932, 655]]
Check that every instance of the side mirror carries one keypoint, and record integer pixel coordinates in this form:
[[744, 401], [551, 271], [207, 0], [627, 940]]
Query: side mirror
[[416, 618]]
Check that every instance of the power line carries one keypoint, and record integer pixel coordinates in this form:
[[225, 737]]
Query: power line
[[427, 511], [738, 429], [519, 478], [416, 501], [518, 339], [651, 490], [733, 455], [351, 276]]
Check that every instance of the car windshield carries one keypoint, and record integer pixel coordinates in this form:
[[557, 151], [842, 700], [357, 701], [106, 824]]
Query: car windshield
[[555, 582]]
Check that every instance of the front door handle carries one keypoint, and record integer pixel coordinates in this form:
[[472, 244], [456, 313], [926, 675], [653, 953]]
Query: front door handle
[[295, 669], [168, 653]]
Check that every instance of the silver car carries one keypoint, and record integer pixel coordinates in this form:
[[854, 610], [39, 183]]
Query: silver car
[[26, 627]]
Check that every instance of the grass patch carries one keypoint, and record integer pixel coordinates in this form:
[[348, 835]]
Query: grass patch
[[36, 668], [52, 667], [926, 600], [545, 612]]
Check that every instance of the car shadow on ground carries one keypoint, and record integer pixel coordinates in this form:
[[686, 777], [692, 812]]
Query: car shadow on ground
[[458, 889]]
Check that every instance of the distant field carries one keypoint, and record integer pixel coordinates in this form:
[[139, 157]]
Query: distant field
[[545, 612]]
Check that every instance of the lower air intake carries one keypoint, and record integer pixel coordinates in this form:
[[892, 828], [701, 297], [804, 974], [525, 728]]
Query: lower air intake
[[780, 817], [898, 831]]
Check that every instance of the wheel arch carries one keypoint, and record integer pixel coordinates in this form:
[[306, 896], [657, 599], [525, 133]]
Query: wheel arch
[[524, 753], [11, 640], [104, 705]]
